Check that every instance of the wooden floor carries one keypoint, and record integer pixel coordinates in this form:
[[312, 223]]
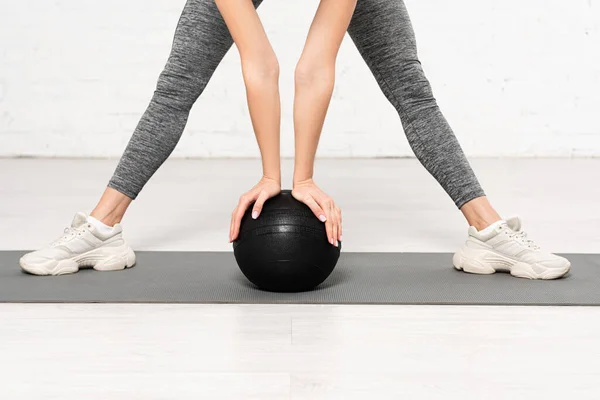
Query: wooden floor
[[133, 351], [298, 352]]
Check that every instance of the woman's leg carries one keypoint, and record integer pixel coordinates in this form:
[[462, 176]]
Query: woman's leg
[[383, 34], [200, 43]]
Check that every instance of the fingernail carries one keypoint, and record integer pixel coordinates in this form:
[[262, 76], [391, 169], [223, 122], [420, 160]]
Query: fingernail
[[341, 238], [337, 244], [322, 218], [254, 214], [331, 241]]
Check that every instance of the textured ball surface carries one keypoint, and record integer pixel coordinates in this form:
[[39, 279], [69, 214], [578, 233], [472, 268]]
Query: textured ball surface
[[286, 248]]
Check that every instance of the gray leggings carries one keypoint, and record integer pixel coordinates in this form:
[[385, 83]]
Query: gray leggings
[[383, 34]]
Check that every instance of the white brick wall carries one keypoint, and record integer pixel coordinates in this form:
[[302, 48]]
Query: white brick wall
[[514, 77]]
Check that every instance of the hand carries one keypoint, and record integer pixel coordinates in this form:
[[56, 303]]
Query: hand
[[322, 206], [264, 190]]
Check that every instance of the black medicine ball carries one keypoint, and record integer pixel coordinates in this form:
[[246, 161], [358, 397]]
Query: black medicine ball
[[286, 248]]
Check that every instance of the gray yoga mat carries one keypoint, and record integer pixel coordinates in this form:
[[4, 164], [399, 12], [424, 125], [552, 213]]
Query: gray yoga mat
[[360, 278]]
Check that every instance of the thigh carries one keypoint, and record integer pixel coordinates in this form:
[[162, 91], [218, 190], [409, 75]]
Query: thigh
[[201, 38], [383, 33]]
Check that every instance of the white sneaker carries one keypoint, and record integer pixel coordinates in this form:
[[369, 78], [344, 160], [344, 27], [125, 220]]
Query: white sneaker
[[507, 248], [81, 246]]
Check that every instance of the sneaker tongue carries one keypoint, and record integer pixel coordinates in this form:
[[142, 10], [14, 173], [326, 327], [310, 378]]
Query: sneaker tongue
[[78, 220], [514, 224]]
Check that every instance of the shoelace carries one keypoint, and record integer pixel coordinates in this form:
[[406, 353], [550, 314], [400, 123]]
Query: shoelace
[[522, 238], [67, 234]]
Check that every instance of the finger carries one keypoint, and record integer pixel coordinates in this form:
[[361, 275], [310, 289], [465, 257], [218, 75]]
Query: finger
[[335, 233], [245, 201], [339, 218], [326, 205], [334, 224], [232, 235], [315, 208], [243, 205], [329, 229], [231, 225], [260, 201]]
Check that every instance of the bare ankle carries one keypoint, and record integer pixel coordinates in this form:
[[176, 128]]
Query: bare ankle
[[480, 213], [112, 207], [484, 223], [110, 219]]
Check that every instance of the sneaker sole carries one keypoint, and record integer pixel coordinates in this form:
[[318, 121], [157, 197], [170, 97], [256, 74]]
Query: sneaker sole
[[469, 261], [102, 259]]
